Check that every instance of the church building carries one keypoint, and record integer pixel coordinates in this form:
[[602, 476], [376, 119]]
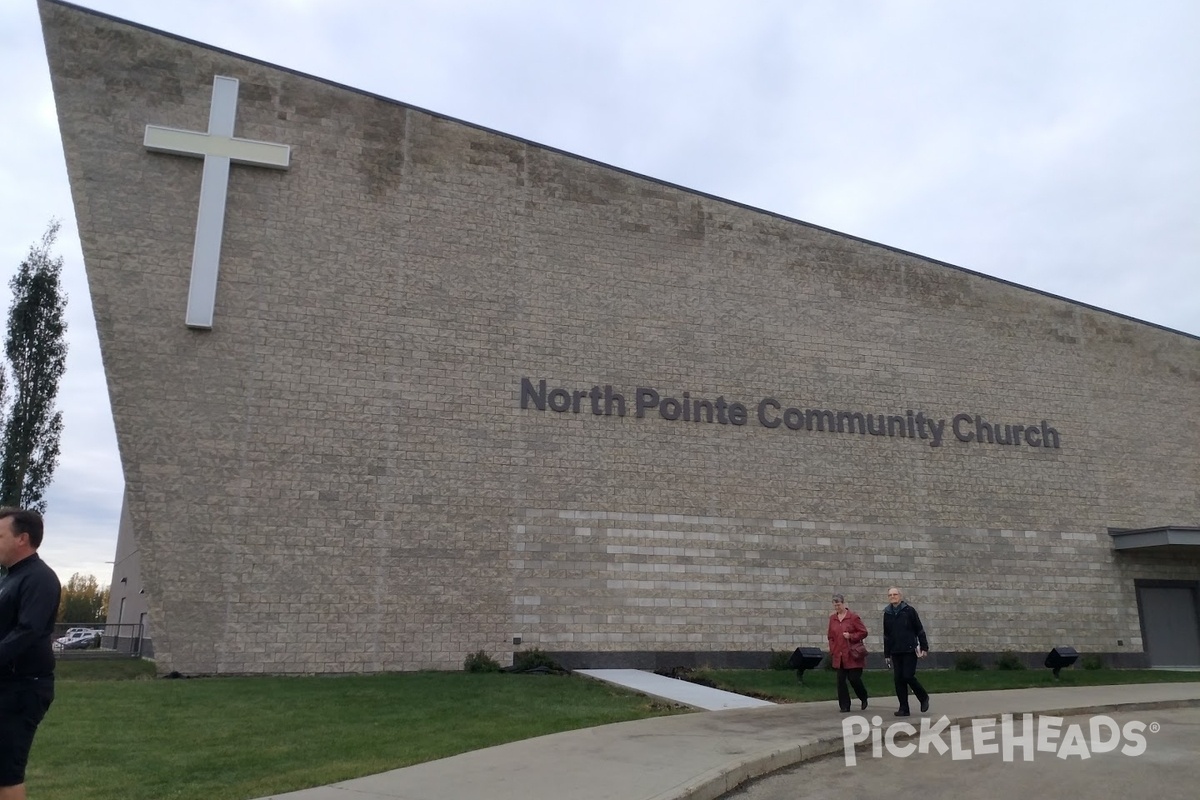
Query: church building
[[391, 388]]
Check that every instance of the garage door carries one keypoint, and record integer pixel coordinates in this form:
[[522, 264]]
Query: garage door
[[1171, 625]]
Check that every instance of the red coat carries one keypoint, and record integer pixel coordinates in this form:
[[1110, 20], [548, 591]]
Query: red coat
[[839, 646]]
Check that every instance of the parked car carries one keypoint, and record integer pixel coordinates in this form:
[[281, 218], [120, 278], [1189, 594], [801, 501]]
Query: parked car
[[83, 642], [71, 631], [79, 639]]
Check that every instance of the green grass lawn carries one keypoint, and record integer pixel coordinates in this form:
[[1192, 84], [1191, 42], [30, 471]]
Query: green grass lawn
[[117, 733], [110, 737]]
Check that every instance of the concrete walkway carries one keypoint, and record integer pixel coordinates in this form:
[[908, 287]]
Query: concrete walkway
[[673, 690], [700, 756]]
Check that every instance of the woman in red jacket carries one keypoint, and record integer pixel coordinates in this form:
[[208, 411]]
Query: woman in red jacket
[[845, 630]]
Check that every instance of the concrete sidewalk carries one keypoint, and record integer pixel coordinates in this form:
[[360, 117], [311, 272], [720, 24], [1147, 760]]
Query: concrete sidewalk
[[673, 690], [700, 756]]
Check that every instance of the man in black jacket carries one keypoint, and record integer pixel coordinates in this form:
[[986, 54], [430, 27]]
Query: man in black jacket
[[29, 597], [903, 643]]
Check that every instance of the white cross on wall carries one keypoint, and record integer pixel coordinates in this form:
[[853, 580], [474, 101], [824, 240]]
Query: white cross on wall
[[218, 147]]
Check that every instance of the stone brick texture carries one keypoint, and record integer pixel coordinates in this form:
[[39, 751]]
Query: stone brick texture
[[339, 476]]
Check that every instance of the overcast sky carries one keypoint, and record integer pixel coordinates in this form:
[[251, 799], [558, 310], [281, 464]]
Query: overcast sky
[[1052, 144]]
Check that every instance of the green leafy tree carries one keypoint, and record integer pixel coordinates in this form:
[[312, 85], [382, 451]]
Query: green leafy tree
[[83, 600], [36, 349]]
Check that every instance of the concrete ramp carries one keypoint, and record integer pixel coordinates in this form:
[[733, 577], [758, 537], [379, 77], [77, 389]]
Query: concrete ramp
[[672, 689]]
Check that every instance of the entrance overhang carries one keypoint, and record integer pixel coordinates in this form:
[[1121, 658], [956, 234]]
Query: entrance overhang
[[1151, 538]]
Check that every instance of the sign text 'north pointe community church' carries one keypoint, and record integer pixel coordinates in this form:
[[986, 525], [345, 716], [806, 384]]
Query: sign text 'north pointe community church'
[[603, 401]]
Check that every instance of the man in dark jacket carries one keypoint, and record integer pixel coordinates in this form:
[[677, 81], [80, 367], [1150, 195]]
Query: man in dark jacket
[[29, 597], [903, 643]]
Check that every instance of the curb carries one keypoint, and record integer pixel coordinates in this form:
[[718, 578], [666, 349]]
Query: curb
[[718, 782]]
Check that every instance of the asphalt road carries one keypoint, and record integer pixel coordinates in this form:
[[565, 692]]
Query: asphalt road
[[1168, 767]]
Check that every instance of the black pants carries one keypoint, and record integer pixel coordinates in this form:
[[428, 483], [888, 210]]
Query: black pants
[[904, 670], [855, 678], [23, 703]]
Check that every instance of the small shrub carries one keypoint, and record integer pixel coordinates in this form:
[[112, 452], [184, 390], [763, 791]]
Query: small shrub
[[481, 662], [535, 659], [1009, 661], [967, 662], [779, 660], [1093, 661]]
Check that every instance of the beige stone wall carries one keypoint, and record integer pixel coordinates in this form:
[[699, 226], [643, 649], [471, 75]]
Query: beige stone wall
[[339, 476], [612, 581]]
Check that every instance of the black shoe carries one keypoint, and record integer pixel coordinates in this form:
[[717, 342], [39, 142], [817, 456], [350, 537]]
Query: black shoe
[[924, 705], [845, 711], [901, 714], [864, 705]]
